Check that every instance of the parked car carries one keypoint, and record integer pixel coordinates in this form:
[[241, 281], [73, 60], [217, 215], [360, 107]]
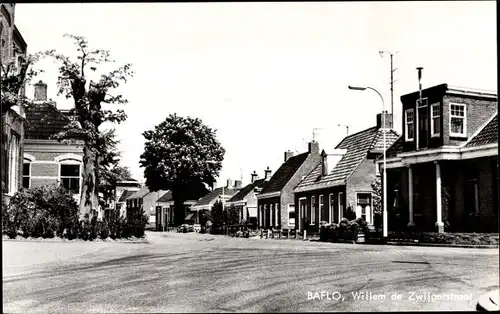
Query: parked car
[[489, 301], [197, 227]]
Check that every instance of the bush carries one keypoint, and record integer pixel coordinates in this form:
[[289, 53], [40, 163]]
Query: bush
[[39, 212], [103, 229]]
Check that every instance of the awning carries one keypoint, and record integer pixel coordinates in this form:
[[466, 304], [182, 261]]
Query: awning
[[190, 216]]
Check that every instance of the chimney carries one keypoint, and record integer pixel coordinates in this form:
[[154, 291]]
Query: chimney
[[313, 147], [254, 176], [237, 184], [229, 183], [388, 120], [288, 155], [324, 163], [267, 174], [40, 91]]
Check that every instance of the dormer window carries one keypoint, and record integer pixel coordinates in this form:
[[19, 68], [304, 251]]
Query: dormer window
[[409, 125], [435, 119], [458, 120]]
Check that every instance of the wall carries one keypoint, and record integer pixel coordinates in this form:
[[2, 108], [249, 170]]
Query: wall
[[287, 193], [45, 162], [326, 208], [478, 112], [149, 204], [360, 181], [266, 203]]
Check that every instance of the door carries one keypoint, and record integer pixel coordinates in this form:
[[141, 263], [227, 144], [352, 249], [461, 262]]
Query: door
[[302, 212]]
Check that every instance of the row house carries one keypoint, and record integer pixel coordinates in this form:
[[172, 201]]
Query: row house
[[47, 161], [205, 203], [276, 204], [442, 172], [145, 200], [123, 190], [245, 201], [165, 212], [13, 51], [341, 180]]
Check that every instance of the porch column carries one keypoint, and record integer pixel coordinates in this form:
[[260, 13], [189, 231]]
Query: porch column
[[410, 195], [276, 224], [298, 218], [439, 209]]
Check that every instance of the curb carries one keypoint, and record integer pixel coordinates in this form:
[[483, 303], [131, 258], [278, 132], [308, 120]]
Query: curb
[[470, 246]]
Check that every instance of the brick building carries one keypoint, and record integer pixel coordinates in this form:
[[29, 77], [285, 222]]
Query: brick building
[[143, 199], [47, 161], [13, 50], [442, 172], [123, 190], [205, 203], [341, 180], [245, 201], [276, 206]]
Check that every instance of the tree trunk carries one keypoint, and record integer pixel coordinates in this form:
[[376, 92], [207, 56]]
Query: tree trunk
[[179, 210], [88, 197]]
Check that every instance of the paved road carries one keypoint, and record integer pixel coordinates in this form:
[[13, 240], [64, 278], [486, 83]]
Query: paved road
[[192, 272]]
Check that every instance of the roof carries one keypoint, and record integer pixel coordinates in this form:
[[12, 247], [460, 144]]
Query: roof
[[246, 190], [139, 194], [487, 135], [213, 195], [357, 145], [167, 197], [44, 121], [284, 173], [396, 148], [126, 194]]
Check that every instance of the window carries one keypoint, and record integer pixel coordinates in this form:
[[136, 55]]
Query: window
[[330, 208], [320, 208], [26, 175], [276, 214], [457, 120], [302, 209], [341, 205], [13, 164], [313, 210], [435, 119], [291, 214], [70, 177], [363, 205], [409, 125]]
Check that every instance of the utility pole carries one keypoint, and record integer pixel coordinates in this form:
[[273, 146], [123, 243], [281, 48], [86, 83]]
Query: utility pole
[[419, 103]]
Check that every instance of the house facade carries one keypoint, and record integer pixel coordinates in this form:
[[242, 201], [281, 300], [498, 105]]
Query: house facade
[[276, 203], [341, 182], [47, 161], [165, 213], [123, 190], [145, 200], [245, 201], [13, 49], [205, 203], [442, 172]]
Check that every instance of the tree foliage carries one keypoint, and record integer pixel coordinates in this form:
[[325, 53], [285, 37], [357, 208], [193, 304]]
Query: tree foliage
[[89, 98], [181, 155], [14, 75]]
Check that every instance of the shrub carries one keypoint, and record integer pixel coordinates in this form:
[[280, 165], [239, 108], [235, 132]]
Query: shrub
[[103, 229]]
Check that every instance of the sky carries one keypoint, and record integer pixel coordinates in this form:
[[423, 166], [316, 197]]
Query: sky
[[265, 75]]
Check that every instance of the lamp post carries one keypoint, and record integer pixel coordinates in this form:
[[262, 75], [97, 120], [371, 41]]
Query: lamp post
[[384, 175]]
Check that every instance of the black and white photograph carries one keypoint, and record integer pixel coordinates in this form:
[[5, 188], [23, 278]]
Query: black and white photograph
[[249, 157]]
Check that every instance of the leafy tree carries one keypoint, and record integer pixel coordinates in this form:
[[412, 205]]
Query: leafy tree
[[110, 172], [377, 203], [14, 78], [181, 155], [89, 99], [233, 215]]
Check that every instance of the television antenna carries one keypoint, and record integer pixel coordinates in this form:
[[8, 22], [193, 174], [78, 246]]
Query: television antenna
[[345, 126]]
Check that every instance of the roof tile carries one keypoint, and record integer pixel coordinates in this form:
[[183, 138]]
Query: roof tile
[[284, 173], [488, 135]]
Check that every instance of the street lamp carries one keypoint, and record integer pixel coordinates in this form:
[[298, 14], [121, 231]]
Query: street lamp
[[384, 175]]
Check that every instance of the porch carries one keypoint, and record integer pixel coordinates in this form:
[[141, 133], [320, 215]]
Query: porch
[[444, 196]]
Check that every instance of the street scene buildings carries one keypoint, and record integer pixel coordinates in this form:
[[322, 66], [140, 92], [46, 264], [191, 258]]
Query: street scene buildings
[[218, 157]]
